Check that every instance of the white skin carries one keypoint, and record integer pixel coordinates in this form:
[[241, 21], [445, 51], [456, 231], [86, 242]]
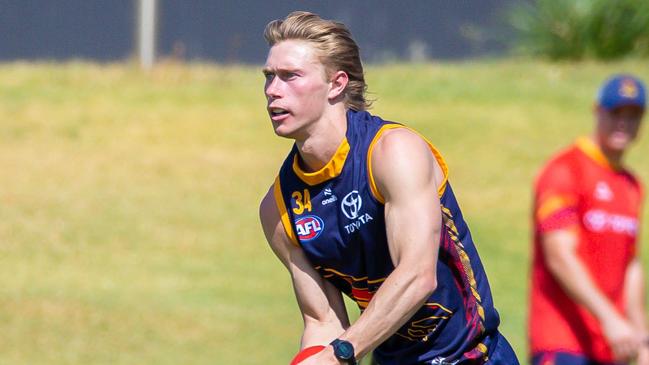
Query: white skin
[[407, 176], [615, 131]]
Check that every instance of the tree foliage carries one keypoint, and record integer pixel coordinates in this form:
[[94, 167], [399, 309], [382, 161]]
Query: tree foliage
[[578, 29]]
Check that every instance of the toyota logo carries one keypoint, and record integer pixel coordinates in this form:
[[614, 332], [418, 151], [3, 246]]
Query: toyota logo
[[351, 204]]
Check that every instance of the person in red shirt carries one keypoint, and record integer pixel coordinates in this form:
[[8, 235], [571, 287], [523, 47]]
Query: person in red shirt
[[587, 288]]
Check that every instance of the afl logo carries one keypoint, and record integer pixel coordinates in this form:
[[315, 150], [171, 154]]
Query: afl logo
[[309, 227], [351, 204]]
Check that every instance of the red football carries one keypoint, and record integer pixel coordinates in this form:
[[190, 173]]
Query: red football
[[306, 352]]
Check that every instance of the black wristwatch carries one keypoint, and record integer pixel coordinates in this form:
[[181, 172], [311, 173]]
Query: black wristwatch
[[344, 351]]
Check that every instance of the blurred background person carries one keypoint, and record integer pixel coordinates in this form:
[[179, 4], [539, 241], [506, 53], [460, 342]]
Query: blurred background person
[[587, 290]]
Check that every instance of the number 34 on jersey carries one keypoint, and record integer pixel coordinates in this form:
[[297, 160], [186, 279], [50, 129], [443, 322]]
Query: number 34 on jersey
[[302, 201]]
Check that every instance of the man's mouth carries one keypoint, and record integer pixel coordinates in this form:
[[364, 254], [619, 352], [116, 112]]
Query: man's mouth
[[276, 112]]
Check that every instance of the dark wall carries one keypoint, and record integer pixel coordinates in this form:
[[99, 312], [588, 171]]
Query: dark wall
[[231, 31], [63, 29]]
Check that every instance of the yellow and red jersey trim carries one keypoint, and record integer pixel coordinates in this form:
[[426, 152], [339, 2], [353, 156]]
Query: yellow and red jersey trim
[[421, 329], [553, 204], [360, 293], [332, 169], [438, 157], [447, 218], [349, 278], [479, 352], [594, 152], [283, 213]]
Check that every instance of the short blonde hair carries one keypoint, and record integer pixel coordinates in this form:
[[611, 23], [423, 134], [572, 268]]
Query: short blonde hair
[[338, 51]]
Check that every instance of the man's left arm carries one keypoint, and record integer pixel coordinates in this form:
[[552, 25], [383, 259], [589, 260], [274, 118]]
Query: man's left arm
[[634, 291], [405, 173]]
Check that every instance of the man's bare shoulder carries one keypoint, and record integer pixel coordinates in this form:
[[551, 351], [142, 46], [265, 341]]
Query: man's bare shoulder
[[402, 161], [401, 141], [268, 209]]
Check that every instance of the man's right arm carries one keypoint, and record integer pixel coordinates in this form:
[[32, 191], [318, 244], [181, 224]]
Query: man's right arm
[[323, 309], [559, 250], [634, 291]]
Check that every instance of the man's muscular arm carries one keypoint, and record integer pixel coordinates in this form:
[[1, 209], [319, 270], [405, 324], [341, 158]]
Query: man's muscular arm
[[404, 171], [321, 304]]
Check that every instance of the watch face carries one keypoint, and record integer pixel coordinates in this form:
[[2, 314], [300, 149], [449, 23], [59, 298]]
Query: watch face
[[346, 350]]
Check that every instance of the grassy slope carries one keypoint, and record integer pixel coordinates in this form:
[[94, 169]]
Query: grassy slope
[[128, 203]]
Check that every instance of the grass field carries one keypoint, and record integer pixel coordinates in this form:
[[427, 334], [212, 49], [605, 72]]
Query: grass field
[[128, 200]]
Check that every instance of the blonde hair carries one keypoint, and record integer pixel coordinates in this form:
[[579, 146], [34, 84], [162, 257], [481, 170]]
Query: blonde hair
[[337, 49]]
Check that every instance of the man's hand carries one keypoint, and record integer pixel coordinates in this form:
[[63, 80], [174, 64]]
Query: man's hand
[[622, 337], [643, 353], [634, 292]]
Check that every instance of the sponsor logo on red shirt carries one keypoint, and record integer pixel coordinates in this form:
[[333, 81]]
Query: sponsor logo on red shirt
[[597, 220]]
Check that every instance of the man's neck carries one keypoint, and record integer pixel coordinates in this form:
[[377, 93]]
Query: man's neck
[[614, 157], [322, 141]]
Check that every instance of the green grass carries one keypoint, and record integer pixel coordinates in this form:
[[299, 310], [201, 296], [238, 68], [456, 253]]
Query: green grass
[[128, 202]]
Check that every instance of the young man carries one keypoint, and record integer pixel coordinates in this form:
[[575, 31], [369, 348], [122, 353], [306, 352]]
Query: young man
[[364, 207], [587, 296]]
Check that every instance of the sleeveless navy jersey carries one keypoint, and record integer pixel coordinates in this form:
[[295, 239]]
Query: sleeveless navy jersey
[[337, 216]]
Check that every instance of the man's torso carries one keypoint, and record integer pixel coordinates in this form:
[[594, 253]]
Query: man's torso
[[337, 218]]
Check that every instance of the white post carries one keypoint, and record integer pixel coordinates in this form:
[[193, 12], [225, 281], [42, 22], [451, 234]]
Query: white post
[[146, 32]]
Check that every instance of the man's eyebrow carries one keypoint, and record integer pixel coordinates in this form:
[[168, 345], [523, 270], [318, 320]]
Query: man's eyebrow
[[279, 70]]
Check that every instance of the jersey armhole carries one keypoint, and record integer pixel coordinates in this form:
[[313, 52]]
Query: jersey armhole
[[283, 213], [438, 157]]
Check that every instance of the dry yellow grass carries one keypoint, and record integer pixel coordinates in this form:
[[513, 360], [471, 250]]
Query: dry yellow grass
[[128, 202]]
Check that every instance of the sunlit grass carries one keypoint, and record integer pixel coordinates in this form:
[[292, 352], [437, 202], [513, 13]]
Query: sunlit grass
[[128, 202]]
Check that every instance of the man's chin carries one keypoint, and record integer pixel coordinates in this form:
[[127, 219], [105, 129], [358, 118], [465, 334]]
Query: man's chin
[[619, 143], [281, 131]]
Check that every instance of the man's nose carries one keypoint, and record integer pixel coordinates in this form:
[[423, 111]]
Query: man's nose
[[272, 88]]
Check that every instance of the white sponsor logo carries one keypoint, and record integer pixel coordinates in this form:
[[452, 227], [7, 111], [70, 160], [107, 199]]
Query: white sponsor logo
[[603, 192], [329, 200], [363, 219], [351, 204], [442, 361], [327, 192], [600, 221]]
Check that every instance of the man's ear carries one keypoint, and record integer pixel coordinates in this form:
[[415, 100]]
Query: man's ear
[[339, 81]]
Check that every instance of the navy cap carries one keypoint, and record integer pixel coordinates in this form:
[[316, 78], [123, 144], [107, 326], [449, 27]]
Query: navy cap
[[622, 90]]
